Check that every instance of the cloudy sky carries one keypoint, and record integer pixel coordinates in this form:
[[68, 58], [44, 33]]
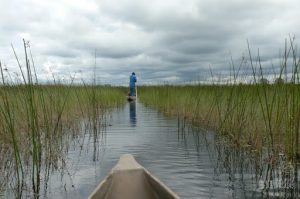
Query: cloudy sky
[[161, 40]]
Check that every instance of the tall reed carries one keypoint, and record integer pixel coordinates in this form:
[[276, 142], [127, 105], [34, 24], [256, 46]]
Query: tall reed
[[255, 115], [8, 117], [36, 118]]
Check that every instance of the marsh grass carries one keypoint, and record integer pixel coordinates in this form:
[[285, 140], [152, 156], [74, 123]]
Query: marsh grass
[[36, 118], [256, 115]]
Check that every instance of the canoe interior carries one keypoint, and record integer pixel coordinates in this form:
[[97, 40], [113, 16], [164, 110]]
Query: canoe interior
[[129, 180]]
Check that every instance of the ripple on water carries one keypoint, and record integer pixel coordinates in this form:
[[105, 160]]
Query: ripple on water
[[188, 163]]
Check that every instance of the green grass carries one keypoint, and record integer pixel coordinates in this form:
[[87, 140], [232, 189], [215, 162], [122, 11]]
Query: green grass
[[237, 111]]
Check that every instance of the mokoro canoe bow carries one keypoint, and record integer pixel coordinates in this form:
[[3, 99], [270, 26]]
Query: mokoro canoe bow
[[129, 180]]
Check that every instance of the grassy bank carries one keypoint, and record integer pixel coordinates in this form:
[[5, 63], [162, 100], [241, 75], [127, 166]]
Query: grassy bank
[[251, 115]]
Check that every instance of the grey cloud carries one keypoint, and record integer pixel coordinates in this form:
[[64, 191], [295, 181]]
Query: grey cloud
[[160, 40], [116, 53], [198, 47], [64, 53]]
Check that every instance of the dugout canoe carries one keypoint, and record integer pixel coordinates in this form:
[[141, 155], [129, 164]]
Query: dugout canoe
[[131, 98], [129, 180]]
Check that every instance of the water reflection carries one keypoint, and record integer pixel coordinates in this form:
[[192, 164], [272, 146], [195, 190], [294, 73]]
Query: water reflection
[[132, 113], [193, 162]]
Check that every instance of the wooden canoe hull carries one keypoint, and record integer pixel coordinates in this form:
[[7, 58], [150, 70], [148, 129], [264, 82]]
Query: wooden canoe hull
[[129, 180]]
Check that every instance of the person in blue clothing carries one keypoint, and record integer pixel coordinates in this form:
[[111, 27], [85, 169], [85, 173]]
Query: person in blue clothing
[[132, 84]]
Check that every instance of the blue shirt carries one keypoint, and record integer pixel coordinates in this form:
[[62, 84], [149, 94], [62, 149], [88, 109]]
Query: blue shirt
[[132, 81]]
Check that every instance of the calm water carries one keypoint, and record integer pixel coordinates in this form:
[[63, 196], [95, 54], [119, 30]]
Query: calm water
[[192, 162]]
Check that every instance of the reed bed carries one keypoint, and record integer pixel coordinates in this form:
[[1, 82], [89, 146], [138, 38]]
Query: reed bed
[[257, 115], [268, 129], [35, 119], [33, 131]]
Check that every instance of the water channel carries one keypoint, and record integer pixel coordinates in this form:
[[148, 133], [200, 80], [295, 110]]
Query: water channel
[[193, 162]]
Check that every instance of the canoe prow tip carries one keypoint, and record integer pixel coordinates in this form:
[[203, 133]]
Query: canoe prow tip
[[127, 162], [127, 155]]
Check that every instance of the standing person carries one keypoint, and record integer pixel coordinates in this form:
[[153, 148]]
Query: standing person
[[132, 81]]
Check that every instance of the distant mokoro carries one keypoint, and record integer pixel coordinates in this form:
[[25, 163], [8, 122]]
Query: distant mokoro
[[129, 180], [131, 98]]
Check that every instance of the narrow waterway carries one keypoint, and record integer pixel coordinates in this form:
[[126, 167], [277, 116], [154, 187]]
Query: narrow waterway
[[193, 162]]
